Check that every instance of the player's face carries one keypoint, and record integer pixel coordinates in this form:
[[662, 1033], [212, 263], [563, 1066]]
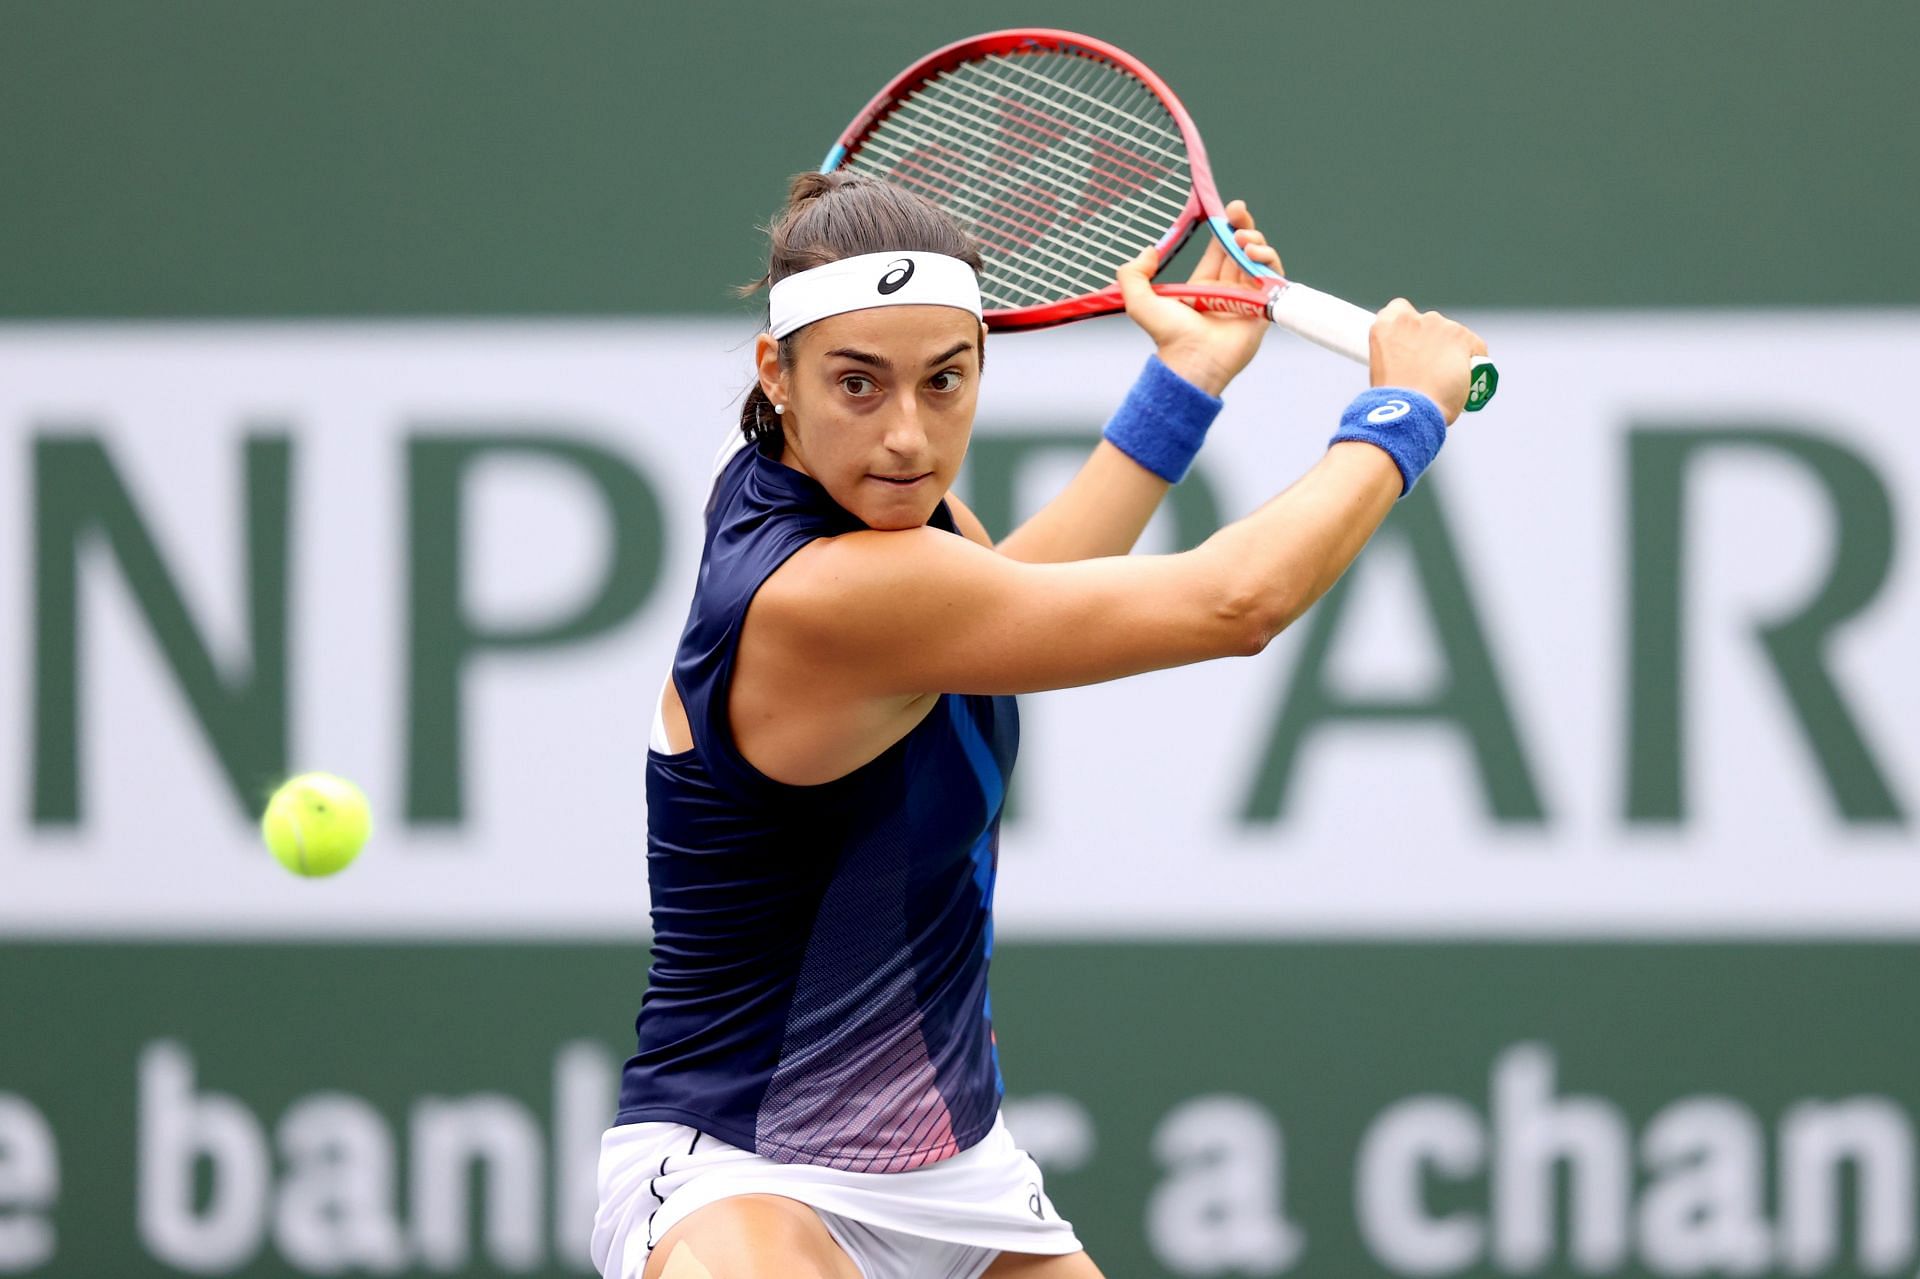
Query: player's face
[[880, 408]]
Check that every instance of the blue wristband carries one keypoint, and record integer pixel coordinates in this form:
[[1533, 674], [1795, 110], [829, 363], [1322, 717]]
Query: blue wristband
[[1163, 421], [1406, 424]]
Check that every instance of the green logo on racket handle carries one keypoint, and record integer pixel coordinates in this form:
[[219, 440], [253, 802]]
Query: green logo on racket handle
[[1486, 380]]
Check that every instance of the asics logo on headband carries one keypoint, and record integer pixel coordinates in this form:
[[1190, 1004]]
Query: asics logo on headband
[[896, 279]]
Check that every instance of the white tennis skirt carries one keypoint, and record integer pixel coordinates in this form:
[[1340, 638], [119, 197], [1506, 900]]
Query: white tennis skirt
[[950, 1218]]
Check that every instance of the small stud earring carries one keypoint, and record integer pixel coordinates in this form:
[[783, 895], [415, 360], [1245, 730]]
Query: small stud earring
[[779, 408]]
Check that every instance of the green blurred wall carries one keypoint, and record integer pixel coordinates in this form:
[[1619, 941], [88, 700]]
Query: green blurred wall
[[229, 158]]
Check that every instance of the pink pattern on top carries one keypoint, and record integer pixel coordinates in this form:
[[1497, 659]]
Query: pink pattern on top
[[866, 1101]]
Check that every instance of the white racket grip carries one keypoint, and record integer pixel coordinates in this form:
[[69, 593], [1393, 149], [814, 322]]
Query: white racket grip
[[1322, 318]]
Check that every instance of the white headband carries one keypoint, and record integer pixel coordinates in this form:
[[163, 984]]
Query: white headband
[[870, 280]]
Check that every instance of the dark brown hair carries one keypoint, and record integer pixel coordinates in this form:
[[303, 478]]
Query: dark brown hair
[[830, 216]]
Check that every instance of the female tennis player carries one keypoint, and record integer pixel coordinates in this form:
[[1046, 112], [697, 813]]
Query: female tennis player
[[817, 1089]]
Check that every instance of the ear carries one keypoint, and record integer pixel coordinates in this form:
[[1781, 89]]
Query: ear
[[766, 359]]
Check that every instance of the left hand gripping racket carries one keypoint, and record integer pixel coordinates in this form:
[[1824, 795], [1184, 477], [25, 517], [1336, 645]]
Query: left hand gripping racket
[[1061, 155]]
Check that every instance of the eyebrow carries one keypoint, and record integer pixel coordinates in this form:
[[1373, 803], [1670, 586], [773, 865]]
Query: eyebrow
[[882, 362]]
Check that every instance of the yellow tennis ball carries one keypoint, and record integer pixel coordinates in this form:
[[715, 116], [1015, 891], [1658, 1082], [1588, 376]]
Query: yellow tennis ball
[[316, 823]]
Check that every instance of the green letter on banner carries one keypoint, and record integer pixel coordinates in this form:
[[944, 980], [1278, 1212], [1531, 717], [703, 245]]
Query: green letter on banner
[[1470, 697], [79, 497], [443, 640], [1658, 461]]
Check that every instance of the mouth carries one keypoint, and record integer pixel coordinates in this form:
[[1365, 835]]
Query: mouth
[[902, 481]]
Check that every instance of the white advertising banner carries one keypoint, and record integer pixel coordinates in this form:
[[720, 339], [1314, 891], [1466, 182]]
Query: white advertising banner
[[1641, 657]]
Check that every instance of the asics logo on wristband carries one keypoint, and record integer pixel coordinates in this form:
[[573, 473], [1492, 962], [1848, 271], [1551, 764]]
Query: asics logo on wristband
[[896, 279], [1389, 411]]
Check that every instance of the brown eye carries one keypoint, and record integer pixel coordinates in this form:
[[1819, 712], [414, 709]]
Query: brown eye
[[945, 380], [857, 385]]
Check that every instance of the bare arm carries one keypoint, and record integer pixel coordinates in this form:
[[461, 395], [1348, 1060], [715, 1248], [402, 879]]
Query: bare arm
[[899, 613], [1105, 507], [1101, 512], [893, 614]]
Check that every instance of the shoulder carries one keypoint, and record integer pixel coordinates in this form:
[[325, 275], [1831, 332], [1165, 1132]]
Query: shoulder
[[829, 573], [835, 590], [968, 523]]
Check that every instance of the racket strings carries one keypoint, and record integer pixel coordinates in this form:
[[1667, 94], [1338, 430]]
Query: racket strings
[[1152, 189], [1142, 127], [1045, 136], [971, 123], [1006, 222], [1061, 166], [1100, 177], [1008, 281], [1046, 238], [998, 220], [994, 219]]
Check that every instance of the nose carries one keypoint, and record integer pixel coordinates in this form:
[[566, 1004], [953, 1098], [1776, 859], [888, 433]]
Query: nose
[[906, 432]]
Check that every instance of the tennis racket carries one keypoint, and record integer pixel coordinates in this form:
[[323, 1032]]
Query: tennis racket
[[1062, 155]]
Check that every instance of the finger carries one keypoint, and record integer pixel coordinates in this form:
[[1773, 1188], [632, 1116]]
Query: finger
[[1265, 255], [1238, 215], [1256, 247], [1136, 277], [1249, 239], [1217, 266]]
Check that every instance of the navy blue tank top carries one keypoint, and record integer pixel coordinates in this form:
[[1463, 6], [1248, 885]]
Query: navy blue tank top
[[818, 991]]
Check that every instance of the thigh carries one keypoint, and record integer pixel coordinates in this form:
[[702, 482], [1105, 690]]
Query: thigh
[[750, 1237], [1024, 1265]]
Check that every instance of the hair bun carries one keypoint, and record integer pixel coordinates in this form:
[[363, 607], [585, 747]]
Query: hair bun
[[808, 187]]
